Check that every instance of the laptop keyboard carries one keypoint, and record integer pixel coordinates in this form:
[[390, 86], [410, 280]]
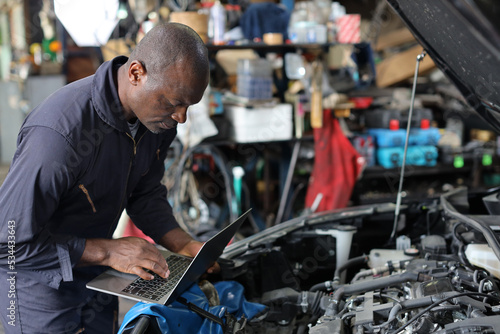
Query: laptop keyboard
[[158, 287]]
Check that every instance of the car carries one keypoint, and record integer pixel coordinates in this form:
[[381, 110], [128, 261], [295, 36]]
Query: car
[[434, 269]]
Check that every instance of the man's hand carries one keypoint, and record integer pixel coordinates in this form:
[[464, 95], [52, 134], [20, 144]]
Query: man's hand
[[178, 241], [129, 255], [192, 248]]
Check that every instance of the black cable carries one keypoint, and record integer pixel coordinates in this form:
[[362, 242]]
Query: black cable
[[455, 234], [386, 296], [428, 222], [295, 194], [430, 307], [349, 263]]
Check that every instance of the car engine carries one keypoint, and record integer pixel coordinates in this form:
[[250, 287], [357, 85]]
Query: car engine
[[341, 272]]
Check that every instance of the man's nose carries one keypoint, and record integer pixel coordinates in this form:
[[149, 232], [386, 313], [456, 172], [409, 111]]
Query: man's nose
[[180, 114]]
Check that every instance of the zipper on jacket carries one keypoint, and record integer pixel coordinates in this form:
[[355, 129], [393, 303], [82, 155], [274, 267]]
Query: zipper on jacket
[[158, 154], [128, 175], [135, 143], [86, 192]]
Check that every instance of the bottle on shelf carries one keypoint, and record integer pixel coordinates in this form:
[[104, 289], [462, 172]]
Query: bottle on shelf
[[217, 23]]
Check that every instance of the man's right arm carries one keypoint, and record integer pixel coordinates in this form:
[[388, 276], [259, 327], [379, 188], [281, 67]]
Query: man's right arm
[[29, 196]]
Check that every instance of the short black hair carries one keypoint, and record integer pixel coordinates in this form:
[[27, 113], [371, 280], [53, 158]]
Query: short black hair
[[170, 43]]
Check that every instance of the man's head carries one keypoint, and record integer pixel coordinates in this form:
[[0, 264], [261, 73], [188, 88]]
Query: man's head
[[166, 73]]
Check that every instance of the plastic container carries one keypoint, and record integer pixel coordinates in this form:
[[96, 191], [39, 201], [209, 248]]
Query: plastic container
[[390, 157], [381, 118], [422, 155], [365, 146], [254, 79], [308, 32], [429, 136], [260, 124], [482, 255], [217, 23], [388, 138]]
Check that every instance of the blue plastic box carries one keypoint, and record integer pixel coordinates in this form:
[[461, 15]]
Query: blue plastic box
[[422, 155], [390, 157], [428, 136], [388, 138]]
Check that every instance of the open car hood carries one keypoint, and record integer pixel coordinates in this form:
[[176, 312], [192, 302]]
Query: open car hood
[[463, 39]]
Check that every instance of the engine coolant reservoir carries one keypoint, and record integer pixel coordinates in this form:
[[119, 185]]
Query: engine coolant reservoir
[[482, 255]]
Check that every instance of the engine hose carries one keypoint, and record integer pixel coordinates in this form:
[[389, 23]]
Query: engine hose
[[488, 233], [379, 283], [327, 285], [350, 263], [392, 315], [316, 304], [333, 285]]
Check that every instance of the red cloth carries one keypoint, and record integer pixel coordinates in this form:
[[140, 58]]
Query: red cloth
[[337, 166], [133, 231]]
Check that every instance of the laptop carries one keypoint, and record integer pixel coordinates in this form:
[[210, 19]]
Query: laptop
[[184, 271]]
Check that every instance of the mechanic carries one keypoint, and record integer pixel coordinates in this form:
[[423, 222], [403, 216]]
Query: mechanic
[[93, 148]]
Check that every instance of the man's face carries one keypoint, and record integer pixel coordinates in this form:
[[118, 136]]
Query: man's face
[[161, 103]]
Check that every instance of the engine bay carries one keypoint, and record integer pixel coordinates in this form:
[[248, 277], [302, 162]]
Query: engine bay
[[341, 272]]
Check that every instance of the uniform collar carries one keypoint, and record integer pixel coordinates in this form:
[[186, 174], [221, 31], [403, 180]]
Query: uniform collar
[[105, 97]]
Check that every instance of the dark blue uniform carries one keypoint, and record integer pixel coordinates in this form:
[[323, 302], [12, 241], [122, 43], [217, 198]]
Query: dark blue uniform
[[76, 168]]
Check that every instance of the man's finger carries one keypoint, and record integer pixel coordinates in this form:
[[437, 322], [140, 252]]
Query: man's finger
[[142, 273], [160, 269]]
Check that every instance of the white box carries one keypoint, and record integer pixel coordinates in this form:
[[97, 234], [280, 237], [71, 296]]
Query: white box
[[260, 124]]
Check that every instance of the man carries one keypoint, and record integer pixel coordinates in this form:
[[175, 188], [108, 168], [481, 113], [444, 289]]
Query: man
[[95, 147]]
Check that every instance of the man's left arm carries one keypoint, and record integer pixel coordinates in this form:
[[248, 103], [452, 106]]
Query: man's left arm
[[148, 206], [150, 210], [179, 241]]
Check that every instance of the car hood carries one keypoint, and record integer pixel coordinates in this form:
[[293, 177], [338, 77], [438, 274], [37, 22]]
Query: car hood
[[463, 39]]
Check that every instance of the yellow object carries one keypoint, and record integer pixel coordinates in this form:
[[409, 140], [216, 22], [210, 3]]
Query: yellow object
[[197, 21], [317, 96], [342, 113], [35, 47], [316, 110], [273, 38]]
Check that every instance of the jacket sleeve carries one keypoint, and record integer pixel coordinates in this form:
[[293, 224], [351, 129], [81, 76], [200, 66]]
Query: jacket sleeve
[[148, 206], [43, 168]]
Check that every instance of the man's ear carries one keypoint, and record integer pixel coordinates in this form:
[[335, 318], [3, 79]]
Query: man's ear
[[137, 72]]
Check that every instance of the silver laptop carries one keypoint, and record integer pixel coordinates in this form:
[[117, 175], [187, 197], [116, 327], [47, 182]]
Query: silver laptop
[[184, 271]]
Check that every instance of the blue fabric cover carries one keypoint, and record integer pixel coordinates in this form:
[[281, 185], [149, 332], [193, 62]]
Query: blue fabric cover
[[178, 319], [261, 18]]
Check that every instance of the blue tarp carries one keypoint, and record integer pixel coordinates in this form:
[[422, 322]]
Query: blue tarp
[[178, 319]]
